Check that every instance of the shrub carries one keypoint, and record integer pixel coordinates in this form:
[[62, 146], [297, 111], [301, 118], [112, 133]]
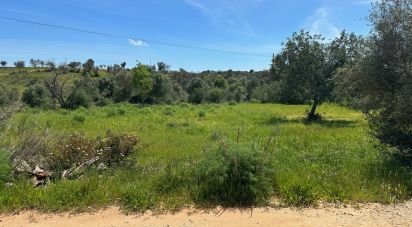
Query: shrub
[[37, 95], [76, 150], [112, 150], [122, 88], [235, 174], [80, 99], [115, 148], [201, 114], [8, 96], [176, 176], [215, 95]]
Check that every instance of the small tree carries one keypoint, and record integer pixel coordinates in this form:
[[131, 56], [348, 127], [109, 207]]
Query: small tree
[[305, 64], [50, 65], [35, 62], [162, 67], [122, 87], [142, 81], [197, 90], [19, 65], [64, 93], [88, 67], [74, 66], [3, 63], [162, 87]]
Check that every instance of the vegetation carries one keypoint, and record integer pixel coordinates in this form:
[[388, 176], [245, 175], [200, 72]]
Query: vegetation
[[332, 160], [165, 139], [382, 77]]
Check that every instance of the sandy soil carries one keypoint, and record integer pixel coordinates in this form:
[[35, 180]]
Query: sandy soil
[[359, 215]]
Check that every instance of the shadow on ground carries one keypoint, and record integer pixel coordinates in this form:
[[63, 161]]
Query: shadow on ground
[[338, 123]]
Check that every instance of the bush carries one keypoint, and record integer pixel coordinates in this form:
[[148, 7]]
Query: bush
[[73, 152], [215, 95], [202, 114], [122, 88], [37, 95], [80, 99], [8, 96], [112, 150], [235, 174], [115, 148]]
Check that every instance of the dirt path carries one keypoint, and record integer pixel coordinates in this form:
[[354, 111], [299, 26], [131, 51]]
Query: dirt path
[[361, 215]]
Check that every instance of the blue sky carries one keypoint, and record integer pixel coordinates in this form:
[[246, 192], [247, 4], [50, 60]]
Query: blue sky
[[253, 26]]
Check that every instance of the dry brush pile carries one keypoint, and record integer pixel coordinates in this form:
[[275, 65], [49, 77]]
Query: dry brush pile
[[41, 154]]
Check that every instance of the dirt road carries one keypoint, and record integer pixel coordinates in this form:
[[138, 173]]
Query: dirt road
[[359, 215]]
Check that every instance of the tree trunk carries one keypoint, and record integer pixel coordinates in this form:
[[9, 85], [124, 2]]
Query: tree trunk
[[311, 115]]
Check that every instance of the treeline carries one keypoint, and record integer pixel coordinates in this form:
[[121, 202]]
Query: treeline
[[372, 73], [142, 84]]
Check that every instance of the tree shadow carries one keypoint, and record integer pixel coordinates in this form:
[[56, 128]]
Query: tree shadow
[[394, 172], [330, 123]]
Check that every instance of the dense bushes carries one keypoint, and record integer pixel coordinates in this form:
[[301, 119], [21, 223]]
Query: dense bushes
[[37, 95], [8, 96], [235, 173]]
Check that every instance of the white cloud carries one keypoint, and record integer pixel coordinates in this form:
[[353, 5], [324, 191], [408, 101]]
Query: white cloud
[[23, 12], [320, 23], [196, 4], [228, 14], [137, 43]]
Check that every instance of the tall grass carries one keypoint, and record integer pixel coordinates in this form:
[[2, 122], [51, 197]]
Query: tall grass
[[334, 160]]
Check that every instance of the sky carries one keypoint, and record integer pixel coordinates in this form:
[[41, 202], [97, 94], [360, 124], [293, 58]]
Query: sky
[[255, 27]]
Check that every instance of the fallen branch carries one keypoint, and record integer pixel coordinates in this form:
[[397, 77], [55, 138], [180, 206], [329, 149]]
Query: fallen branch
[[76, 170]]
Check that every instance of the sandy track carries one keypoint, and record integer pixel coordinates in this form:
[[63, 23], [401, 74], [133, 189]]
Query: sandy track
[[360, 215]]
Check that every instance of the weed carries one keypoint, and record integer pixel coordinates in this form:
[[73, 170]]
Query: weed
[[79, 118], [235, 174], [298, 195]]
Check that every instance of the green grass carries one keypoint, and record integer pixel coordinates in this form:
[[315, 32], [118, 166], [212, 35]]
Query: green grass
[[333, 160]]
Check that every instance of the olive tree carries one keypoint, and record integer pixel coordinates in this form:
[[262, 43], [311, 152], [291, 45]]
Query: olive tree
[[304, 61], [19, 65], [383, 77], [142, 81]]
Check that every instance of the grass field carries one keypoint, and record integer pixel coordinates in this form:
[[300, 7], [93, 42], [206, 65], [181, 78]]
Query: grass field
[[334, 160]]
